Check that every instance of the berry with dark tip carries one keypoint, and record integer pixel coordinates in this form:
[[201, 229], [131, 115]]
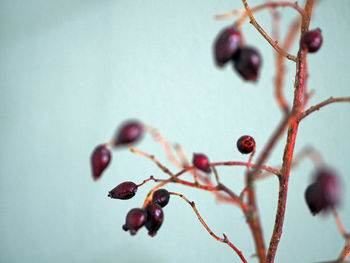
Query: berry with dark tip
[[314, 198], [247, 62], [129, 132], [100, 158], [246, 144], [135, 219], [155, 218], [123, 191], [324, 193], [312, 40], [226, 44], [201, 162], [161, 197]]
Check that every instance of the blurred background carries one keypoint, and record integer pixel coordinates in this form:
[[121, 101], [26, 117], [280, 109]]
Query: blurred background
[[72, 71]]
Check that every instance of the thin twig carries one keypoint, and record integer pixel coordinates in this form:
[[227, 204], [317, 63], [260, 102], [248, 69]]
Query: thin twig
[[252, 165], [182, 155], [158, 137], [216, 174], [339, 223], [261, 7], [345, 252], [322, 104], [152, 158], [273, 43], [281, 68], [223, 240]]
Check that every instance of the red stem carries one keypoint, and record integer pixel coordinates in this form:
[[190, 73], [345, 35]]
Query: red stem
[[300, 86]]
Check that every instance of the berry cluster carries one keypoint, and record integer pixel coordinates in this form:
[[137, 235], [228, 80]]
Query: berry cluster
[[324, 192], [151, 216], [228, 47]]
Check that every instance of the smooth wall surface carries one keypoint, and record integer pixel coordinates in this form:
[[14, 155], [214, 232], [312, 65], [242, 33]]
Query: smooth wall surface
[[72, 71]]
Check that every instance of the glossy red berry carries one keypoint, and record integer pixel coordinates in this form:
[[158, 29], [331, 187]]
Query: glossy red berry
[[155, 218], [99, 159], [129, 132], [123, 191], [201, 162], [247, 62], [226, 44], [161, 197], [135, 219], [312, 40], [246, 144]]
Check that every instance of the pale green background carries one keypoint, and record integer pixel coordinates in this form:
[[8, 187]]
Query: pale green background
[[71, 71]]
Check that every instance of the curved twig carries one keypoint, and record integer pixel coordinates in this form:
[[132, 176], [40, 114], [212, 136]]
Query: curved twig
[[273, 43], [223, 240]]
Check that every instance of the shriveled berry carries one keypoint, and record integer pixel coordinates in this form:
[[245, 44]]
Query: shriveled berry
[[201, 162], [246, 144], [135, 219], [123, 191], [155, 218], [226, 44], [312, 40], [161, 197], [330, 186], [247, 62], [129, 132], [99, 159], [314, 198]]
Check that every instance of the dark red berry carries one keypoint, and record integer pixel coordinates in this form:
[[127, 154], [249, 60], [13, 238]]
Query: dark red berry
[[155, 218], [247, 62], [314, 198], [246, 144], [226, 44], [201, 162], [325, 192], [330, 186], [161, 197], [99, 159], [312, 40], [123, 191], [129, 132], [135, 219]]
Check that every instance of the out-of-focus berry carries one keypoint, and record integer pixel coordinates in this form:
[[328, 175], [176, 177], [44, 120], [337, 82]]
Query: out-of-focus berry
[[99, 159], [226, 44], [201, 162], [129, 132]]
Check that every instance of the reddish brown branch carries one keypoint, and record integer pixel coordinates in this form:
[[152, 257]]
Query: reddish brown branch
[[223, 240], [322, 104], [299, 88], [345, 252], [252, 165], [273, 43], [260, 7]]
